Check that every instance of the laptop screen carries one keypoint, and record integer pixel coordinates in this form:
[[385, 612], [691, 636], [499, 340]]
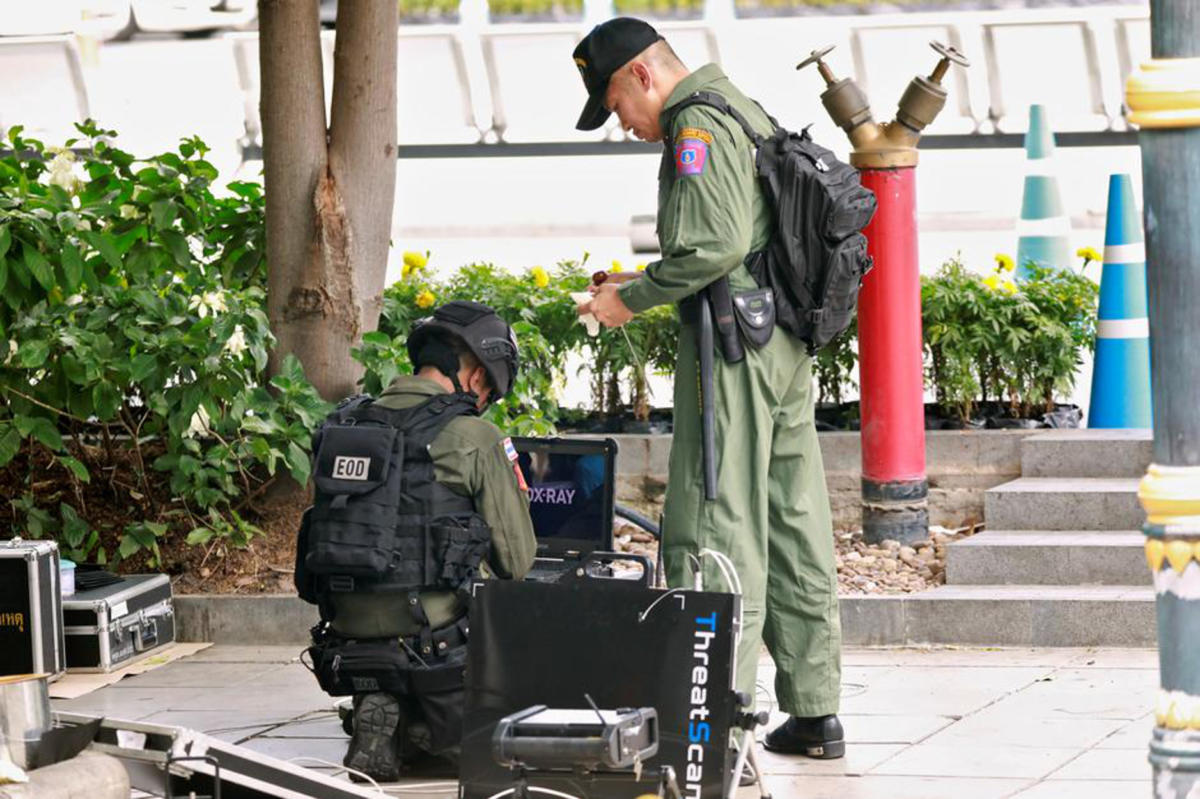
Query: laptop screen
[[571, 491]]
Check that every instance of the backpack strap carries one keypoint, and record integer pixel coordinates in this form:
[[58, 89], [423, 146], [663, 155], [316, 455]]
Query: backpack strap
[[714, 100]]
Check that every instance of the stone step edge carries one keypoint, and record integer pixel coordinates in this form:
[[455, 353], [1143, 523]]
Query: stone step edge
[[1077, 485], [989, 615], [1052, 538]]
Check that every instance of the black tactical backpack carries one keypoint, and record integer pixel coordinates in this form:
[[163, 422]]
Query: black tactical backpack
[[380, 521], [817, 256]]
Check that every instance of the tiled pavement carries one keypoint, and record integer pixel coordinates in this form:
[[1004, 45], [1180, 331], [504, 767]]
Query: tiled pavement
[[920, 723]]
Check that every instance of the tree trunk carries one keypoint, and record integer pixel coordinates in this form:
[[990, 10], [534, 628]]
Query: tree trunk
[[329, 199]]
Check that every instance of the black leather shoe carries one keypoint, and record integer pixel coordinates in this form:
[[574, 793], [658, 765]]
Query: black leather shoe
[[373, 745], [820, 737]]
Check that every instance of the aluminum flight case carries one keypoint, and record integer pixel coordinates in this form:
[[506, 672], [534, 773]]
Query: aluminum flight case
[[31, 626], [110, 627]]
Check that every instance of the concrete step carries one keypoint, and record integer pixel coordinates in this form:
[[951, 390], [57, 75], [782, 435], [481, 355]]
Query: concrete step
[[1064, 503], [1005, 615], [1049, 557], [1087, 453]]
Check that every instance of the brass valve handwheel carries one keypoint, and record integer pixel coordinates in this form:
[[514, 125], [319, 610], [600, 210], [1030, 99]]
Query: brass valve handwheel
[[946, 51], [815, 56]]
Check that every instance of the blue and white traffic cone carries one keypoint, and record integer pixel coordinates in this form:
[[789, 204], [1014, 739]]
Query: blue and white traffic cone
[[1044, 229], [1121, 372]]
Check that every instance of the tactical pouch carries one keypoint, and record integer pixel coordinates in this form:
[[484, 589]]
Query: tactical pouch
[[459, 545], [755, 313], [439, 692], [352, 531], [306, 585], [347, 666], [838, 297]]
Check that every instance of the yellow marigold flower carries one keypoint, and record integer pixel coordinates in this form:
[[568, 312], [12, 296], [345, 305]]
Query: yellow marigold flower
[[641, 267], [992, 282], [616, 266], [413, 262], [1004, 262], [1088, 254], [425, 299], [1008, 287], [540, 278]]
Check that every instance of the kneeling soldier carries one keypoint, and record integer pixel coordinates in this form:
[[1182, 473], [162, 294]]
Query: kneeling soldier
[[416, 497]]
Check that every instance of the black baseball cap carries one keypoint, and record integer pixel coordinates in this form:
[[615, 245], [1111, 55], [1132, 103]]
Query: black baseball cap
[[610, 46]]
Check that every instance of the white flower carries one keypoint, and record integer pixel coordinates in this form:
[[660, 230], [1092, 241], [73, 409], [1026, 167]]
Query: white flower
[[208, 301], [83, 224], [74, 299], [62, 171], [12, 350], [237, 342], [199, 425], [129, 212]]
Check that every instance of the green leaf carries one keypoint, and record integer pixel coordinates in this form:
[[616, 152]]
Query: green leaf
[[5, 241], [178, 247], [298, 463], [78, 469], [162, 213], [377, 337], [39, 267], [104, 245], [130, 545], [72, 267], [3, 272], [107, 400], [45, 432], [142, 367], [201, 535], [10, 445], [260, 425], [33, 353]]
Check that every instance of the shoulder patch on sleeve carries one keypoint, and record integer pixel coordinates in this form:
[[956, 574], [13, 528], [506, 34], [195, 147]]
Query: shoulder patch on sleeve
[[691, 155], [694, 133], [511, 453]]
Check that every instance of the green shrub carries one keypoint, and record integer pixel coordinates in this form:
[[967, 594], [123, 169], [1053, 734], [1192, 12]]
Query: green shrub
[[137, 342]]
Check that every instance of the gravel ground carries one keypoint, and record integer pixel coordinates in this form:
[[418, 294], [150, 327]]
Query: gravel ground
[[886, 568]]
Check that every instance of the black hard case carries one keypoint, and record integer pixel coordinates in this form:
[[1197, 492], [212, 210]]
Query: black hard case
[[31, 627], [112, 626]]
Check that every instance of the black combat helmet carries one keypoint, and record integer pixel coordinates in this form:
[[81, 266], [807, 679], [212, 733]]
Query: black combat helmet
[[486, 335]]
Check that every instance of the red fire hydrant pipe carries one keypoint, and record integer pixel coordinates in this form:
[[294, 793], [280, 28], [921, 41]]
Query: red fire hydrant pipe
[[891, 380]]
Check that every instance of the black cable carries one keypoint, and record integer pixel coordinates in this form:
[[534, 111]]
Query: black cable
[[630, 515]]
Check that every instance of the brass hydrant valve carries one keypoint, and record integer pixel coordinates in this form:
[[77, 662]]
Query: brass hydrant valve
[[925, 97], [843, 99], [890, 144]]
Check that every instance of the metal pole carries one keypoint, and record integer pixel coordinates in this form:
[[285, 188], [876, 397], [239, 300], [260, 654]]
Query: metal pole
[[1164, 99]]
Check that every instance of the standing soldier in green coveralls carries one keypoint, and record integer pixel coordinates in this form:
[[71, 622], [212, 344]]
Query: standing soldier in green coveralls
[[771, 514]]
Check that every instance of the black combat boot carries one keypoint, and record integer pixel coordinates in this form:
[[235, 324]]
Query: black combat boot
[[373, 745], [819, 737]]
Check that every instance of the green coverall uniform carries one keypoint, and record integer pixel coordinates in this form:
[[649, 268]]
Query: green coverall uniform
[[771, 515], [468, 458]]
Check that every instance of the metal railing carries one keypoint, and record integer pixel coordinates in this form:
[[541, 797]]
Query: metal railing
[[482, 90]]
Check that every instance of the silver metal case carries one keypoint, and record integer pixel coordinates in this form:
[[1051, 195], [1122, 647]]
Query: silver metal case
[[110, 627], [31, 626]]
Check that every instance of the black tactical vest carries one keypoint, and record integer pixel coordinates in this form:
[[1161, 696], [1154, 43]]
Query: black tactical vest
[[380, 521]]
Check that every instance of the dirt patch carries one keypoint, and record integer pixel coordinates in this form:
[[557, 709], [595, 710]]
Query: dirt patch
[[263, 567]]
